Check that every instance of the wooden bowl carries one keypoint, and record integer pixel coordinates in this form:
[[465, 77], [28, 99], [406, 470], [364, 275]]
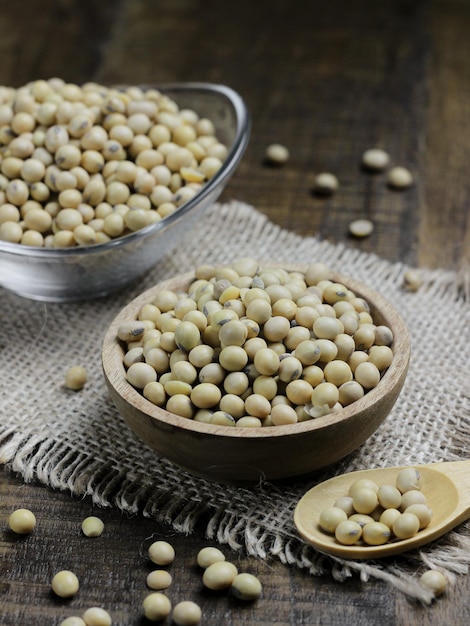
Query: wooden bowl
[[228, 454]]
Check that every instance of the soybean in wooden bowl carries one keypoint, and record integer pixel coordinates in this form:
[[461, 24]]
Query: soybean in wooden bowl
[[246, 454]]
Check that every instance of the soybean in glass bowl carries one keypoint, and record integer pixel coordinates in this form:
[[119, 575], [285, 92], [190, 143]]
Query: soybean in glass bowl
[[91, 271]]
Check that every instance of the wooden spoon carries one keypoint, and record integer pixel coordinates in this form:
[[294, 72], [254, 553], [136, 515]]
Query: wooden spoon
[[445, 485]]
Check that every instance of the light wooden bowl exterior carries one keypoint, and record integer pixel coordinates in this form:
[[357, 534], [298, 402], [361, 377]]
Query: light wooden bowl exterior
[[244, 454]]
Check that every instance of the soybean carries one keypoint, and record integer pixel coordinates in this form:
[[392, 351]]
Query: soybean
[[412, 280], [277, 154], [76, 377], [348, 532], [159, 579], [434, 580], [331, 517], [22, 521], [399, 178], [161, 553], [375, 159], [247, 587], [156, 606], [96, 616], [219, 575], [208, 556], [187, 613], [376, 533], [92, 526], [233, 342], [65, 584], [325, 184], [361, 228]]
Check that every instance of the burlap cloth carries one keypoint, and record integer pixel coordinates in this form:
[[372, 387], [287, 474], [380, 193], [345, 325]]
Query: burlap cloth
[[77, 441]]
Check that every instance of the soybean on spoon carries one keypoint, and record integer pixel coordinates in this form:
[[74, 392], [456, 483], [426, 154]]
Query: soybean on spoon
[[446, 487]]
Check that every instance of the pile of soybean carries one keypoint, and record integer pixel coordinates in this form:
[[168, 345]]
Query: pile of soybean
[[84, 164], [371, 514], [247, 346]]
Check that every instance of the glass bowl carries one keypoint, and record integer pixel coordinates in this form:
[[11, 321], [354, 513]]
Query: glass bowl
[[87, 272]]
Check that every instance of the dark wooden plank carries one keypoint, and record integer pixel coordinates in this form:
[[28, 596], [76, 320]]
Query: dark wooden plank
[[445, 206], [58, 38], [329, 83], [328, 79], [112, 571]]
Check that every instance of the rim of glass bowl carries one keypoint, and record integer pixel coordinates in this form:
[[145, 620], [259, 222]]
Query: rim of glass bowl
[[236, 150]]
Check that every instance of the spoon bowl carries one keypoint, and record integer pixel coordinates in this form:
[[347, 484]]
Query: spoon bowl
[[445, 486]]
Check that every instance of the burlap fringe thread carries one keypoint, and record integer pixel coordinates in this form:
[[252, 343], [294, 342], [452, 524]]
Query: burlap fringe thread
[[58, 465]]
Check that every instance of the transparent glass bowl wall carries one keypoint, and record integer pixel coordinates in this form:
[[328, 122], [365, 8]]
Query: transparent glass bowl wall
[[88, 272]]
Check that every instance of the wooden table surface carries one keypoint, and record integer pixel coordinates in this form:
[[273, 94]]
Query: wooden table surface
[[328, 80]]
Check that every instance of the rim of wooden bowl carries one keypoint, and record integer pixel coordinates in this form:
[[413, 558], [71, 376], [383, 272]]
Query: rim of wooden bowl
[[382, 311]]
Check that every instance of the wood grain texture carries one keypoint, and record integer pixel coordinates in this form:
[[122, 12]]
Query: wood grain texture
[[329, 80], [445, 207], [112, 571]]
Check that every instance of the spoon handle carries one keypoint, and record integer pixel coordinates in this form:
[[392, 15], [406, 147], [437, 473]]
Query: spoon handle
[[459, 473]]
